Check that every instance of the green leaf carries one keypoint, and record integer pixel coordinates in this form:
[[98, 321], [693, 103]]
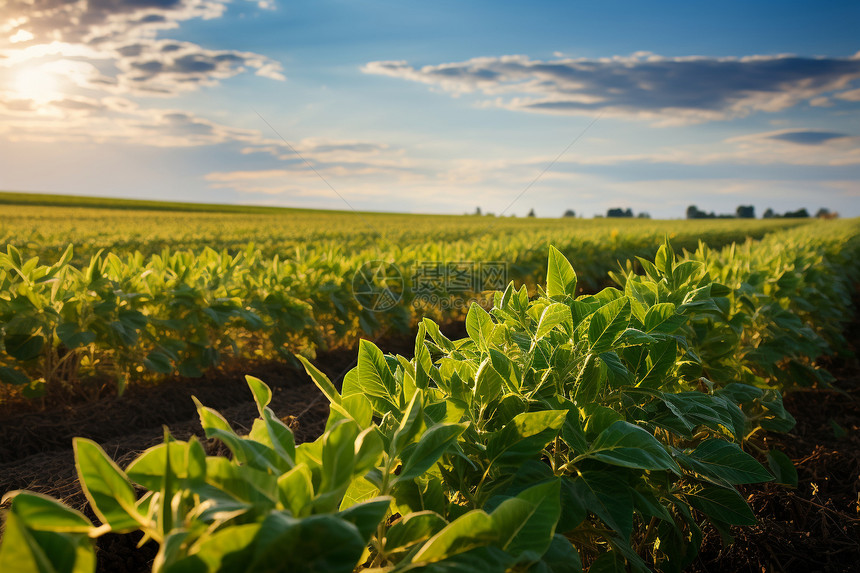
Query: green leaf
[[72, 337], [553, 315], [525, 436], [268, 429], [433, 443], [368, 448], [606, 496], [479, 326], [662, 318], [661, 360], [561, 557], [560, 276], [376, 380], [486, 559], [473, 529], [148, 469], [367, 516], [338, 455], [246, 451], [321, 380], [618, 375], [29, 551], [507, 369], [724, 460], [679, 541], [649, 269], [722, 504], [436, 335], [413, 528], [158, 362], [19, 551], [262, 393], [780, 420], [296, 490], [572, 432], [607, 323], [740, 393], [634, 337], [229, 549], [665, 258], [647, 504], [609, 562], [107, 488], [488, 383], [13, 376], [244, 484], [24, 346], [421, 494], [597, 419], [319, 543], [42, 513], [171, 551], [359, 409], [410, 426], [35, 389], [359, 491], [168, 489], [527, 522], [272, 442], [589, 381], [782, 467], [423, 361], [682, 272], [627, 445]]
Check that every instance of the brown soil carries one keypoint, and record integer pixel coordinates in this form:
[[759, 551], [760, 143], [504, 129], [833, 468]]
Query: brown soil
[[813, 528], [816, 527]]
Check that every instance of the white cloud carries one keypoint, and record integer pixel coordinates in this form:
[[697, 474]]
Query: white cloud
[[851, 95], [167, 67], [780, 147], [667, 91], [119, 36], [68, 69]]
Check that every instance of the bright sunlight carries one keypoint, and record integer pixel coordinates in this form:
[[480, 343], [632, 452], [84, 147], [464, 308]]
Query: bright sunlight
[[36, 84]]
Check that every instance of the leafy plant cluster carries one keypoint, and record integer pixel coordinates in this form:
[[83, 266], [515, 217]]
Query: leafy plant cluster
[[116, 318], [121, 319], [564, 433]]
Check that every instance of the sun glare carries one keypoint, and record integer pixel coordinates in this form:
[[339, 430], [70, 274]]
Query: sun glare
[[37, 85], [21, 36]]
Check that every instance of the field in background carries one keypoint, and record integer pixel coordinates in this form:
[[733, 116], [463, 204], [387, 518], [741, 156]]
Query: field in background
[[153, 288], [44, 225]]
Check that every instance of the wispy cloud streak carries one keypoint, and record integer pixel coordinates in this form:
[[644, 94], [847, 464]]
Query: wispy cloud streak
[[668, 91]]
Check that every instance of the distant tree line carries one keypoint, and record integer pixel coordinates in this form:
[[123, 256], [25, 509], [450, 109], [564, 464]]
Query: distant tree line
[[742, 212], [799, 214], [618, 212], [822, 213], [693, 212], [748, 212]]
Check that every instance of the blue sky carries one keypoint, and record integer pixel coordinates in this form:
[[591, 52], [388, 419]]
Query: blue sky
[[436, 107]]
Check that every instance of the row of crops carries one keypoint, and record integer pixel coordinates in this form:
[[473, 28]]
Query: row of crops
[[46, 231], [566, 432], [159, 303]]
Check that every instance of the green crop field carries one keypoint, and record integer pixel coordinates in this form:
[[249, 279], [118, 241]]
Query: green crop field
[[43, 225], [609, 402], [127, 289]]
